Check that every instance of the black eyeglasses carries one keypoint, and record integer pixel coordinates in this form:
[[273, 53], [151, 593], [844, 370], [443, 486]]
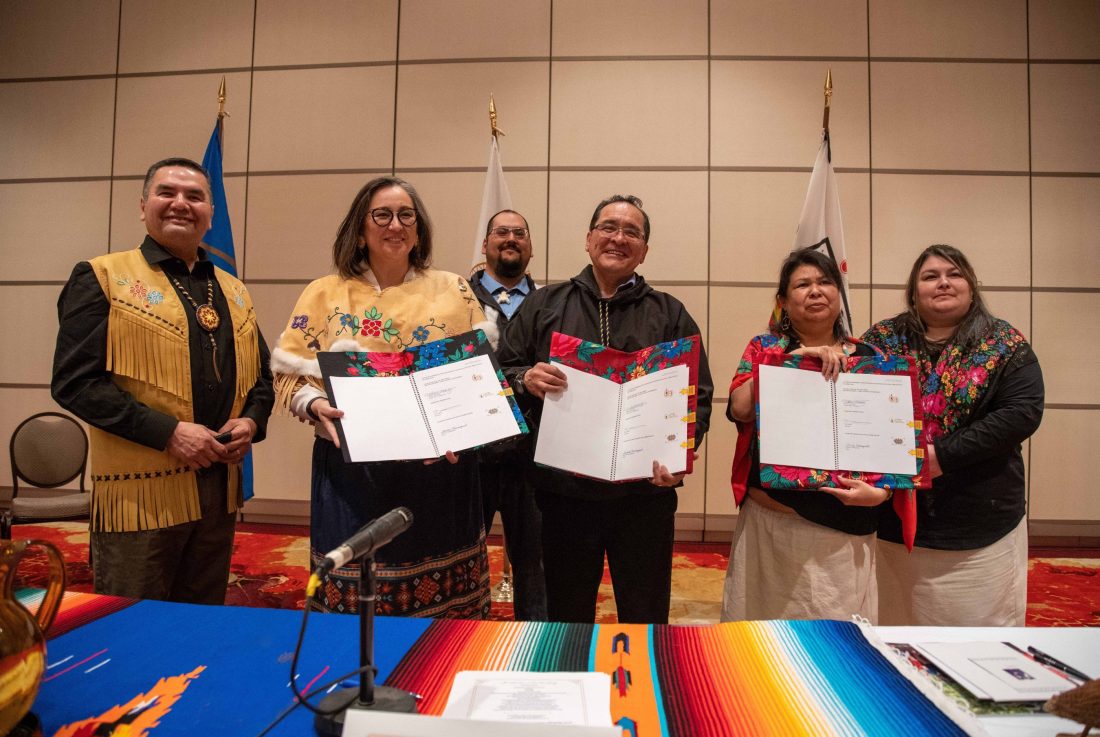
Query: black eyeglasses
[[502, 232], [610, 229], [383, 216]]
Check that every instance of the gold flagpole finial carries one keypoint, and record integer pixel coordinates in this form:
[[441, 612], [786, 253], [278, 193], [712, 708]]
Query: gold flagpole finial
[[493, 129], [221, 100], [828, 98]]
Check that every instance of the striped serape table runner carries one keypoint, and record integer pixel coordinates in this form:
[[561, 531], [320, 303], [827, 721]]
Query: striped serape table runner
[[740, 678], [76, 608]]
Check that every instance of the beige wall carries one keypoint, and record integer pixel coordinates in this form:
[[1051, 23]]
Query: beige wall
[[973, 123]]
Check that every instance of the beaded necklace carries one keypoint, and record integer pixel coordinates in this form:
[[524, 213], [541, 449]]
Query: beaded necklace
[[206, 316]]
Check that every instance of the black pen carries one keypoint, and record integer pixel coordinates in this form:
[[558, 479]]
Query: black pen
[[1058, 664]]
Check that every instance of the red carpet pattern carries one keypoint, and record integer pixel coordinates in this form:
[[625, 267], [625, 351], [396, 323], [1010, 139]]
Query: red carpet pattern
[[1063, 592], [269, 570]]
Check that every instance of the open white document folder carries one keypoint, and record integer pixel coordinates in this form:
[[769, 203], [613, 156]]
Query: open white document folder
[[860, 422], [454, 407], [577, 698], [994, 670], [612, 431]]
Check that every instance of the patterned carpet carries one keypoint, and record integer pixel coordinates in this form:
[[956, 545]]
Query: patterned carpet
[[269, 570]]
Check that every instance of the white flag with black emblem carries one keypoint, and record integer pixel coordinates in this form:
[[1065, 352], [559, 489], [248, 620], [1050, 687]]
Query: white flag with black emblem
[[820, 226]]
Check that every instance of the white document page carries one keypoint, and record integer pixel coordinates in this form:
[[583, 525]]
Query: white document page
[[796, 418], [546, 698], [993, 670], [577, 427], [652, 425], [464, 405], [382, 420], [369, 723], [874, 418]]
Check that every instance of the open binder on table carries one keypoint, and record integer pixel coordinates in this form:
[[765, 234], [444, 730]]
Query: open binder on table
[[420, 403], [621, 410]]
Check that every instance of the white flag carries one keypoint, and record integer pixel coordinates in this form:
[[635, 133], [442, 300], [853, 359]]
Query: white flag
[[494, 198], [820, 226]]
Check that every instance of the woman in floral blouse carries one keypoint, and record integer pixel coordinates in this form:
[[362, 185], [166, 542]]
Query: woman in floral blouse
[[803, 553], [385, 298], [982, 397]]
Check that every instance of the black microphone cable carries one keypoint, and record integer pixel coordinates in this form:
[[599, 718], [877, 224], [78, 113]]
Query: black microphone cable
[[300, 698]]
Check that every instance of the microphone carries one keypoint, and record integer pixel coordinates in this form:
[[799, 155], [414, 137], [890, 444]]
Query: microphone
[[370, 538]]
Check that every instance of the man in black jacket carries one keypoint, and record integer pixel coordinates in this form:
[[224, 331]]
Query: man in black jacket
[[633, 523], [501, 287]]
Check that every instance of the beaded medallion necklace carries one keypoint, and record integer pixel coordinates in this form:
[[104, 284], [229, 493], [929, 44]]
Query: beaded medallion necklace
[[206, 316]]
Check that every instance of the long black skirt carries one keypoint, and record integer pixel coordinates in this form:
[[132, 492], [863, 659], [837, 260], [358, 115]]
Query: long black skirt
[[439, 567]]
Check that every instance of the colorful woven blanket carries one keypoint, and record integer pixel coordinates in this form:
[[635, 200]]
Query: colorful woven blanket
[[742, 678], [76, 608]]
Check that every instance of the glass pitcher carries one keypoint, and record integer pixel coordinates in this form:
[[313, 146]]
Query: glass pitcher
[[22, 638]]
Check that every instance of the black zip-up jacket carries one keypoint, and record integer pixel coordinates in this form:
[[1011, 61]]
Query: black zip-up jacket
[[637, 316]]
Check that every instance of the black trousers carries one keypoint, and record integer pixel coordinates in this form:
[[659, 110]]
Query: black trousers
[[504, 488], [635, 532], [187, 563]]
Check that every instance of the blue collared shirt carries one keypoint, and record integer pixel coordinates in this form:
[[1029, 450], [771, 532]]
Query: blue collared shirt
[[516, 294]]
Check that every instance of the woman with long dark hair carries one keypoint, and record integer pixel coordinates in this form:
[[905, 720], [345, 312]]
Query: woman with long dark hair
[[385, 298], [807, 553], [982, 395]]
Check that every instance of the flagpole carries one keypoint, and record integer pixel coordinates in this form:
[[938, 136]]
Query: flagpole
[[218, 240], [503, 590], [494, 131], [221, 112], [495, 195]]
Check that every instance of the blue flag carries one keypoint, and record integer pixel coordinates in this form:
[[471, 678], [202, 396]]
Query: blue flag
[[219, 246]]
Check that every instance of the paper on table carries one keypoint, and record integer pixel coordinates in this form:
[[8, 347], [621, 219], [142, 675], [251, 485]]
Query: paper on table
[[367, 723], [994, 670], [547, 698]]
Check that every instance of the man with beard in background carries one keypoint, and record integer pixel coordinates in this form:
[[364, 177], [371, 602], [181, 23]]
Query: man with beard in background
[[501, 288]]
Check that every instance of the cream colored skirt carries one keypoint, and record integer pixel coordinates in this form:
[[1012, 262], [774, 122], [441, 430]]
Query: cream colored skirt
[[785, 567], [986, 587]]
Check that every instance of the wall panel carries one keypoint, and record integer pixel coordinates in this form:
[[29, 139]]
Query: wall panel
[[325, 32], [946, 29], [89, 30], [971, 117]]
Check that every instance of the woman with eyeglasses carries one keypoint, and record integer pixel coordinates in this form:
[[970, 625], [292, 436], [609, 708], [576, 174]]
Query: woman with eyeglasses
[[385, 298], [982, 396]]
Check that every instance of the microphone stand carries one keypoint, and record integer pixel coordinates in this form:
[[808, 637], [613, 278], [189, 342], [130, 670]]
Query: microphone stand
[[367, 696]]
